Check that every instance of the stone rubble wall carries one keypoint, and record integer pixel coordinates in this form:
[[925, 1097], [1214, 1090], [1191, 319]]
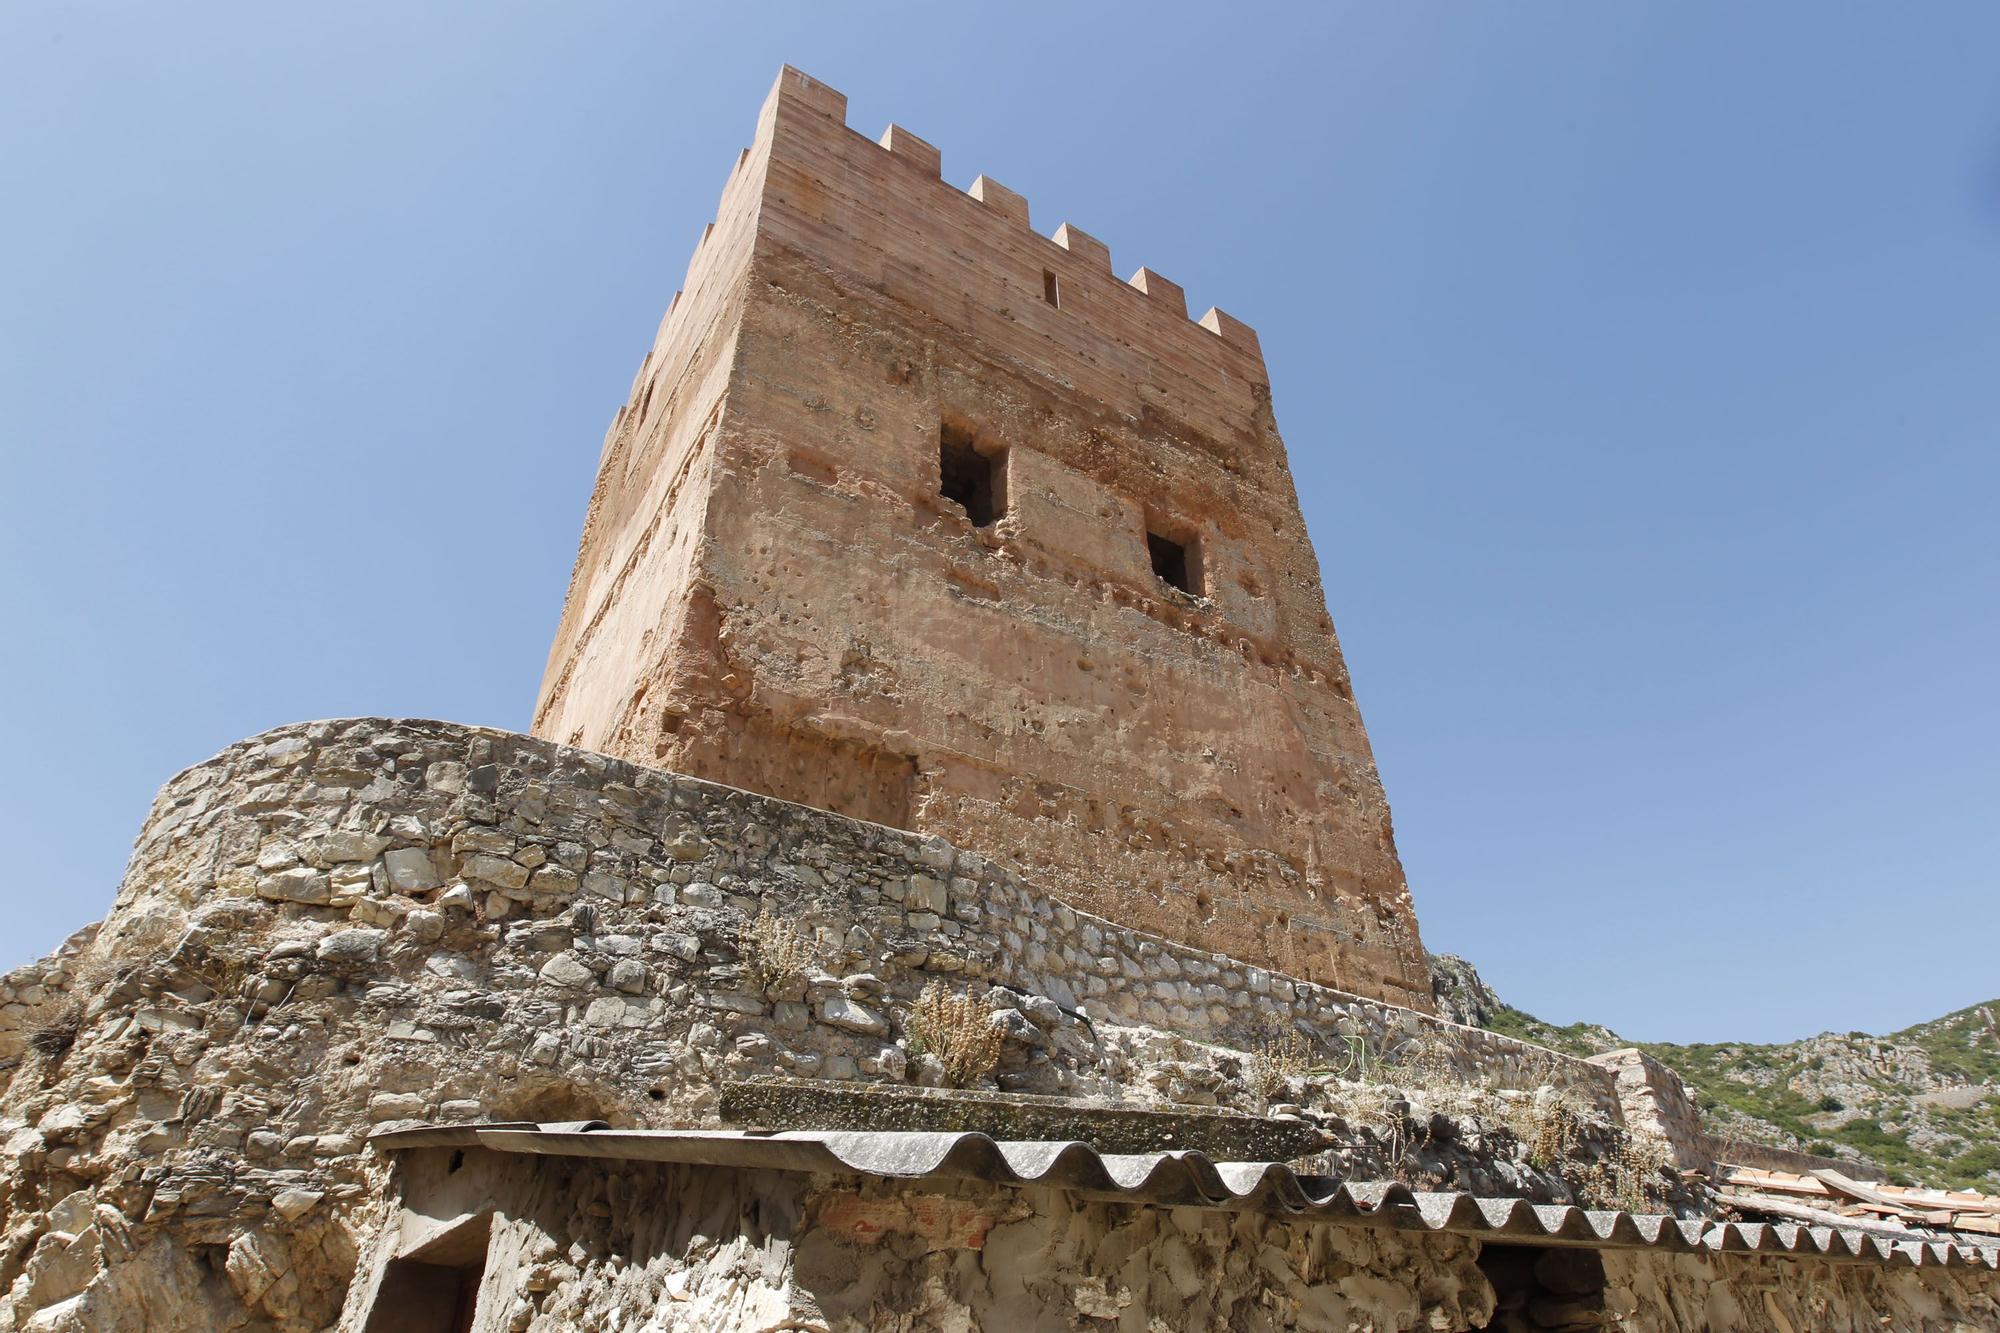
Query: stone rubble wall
[[1652, 1099], [577, 1243], [338, 925], [28, 991], [524, 830]]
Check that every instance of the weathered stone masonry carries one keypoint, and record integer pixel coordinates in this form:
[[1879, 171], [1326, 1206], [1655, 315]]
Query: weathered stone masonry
[[406, 829], [341, 924]]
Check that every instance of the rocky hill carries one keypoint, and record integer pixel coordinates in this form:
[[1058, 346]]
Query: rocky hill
[[1923, 1102]]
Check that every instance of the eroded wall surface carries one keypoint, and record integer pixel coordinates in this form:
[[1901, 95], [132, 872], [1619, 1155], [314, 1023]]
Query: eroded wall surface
[[340, 925], [581, 1244], [846, 637]]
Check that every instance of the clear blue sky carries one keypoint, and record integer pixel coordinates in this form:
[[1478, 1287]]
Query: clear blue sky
[[1640, 366]]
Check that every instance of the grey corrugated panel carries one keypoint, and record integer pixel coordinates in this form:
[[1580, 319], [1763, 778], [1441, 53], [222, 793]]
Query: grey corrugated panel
[[1189, 1179]]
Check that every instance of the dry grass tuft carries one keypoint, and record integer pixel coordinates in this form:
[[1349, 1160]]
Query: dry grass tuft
[[1550, 1124], [958, 1030], [57, 1034], [1634, 1177], [1426, 1064], [1276, 1063], [775, 950]]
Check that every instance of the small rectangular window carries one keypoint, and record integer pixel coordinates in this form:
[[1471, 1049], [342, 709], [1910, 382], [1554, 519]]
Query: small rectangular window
[[436, 1289], [1177, 563], [1051, 289], [973, 479]]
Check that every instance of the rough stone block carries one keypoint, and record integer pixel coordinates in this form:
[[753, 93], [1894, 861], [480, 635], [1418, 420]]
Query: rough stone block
[[298, 885], [410, 870]]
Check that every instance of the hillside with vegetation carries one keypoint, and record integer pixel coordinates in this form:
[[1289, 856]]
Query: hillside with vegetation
[[1924, 1103]]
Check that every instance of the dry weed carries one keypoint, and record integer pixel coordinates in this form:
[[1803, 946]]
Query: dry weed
[[775, 950], [1633, 1177], [1276, 1063], [53, 1038], [1425, 1064], [1550, 1124], [958, 1030]]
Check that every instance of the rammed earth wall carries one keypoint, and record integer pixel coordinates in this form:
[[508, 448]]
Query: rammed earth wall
[[341, 924], [776, 589]]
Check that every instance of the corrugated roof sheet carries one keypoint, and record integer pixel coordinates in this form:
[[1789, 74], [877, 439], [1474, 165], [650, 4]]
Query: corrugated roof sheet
[[1188, 1179]]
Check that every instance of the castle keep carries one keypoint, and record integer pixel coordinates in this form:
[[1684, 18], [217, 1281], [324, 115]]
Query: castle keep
[[920, 907], [922, 517]]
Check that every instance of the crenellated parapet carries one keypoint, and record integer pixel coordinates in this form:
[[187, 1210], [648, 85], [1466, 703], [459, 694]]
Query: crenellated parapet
[[1146, 304], [1080, 262]]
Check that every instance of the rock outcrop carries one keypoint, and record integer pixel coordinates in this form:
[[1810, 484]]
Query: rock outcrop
[[1923, 1102]]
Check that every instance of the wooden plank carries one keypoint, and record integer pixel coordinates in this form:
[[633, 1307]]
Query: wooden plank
[[1881, 1217], [1854, 1189], [1774, 1181], [1953, 1199], [1936, 1206], [1819, 1217], [1886, 1200]]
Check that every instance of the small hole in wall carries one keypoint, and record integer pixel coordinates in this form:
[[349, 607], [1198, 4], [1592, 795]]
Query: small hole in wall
[[1204, 906], [1051, 288], [657, 1094], [1284, 920], [457, 1161], [350, 1059]]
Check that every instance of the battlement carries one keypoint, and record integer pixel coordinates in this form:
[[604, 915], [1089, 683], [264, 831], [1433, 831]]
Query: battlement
[[800, 93], [879, 210], [969, 257]]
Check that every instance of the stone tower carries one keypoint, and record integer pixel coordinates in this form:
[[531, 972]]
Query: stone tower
[[920, 516]]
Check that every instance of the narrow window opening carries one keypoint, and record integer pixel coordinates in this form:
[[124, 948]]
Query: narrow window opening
[[436, 1289], [1178, 564], [974, 481], [425, 1298], [1051, 289]]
